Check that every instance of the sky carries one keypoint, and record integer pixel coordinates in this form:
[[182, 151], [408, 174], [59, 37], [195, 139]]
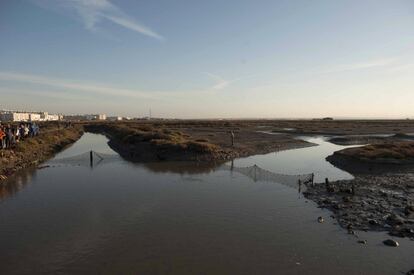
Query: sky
[[209, 59]]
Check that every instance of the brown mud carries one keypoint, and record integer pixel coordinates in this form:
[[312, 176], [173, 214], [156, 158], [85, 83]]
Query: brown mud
[[380, 197], [370, 202], [149, 143]]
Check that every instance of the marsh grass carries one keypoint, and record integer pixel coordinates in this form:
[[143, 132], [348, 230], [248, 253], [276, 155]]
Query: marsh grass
[[388, 150], [162, 139]]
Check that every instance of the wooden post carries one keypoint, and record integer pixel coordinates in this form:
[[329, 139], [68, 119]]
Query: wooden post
[[91, 158], [255, 176]]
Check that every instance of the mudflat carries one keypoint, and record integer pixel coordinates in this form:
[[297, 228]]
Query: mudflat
[[193, 140], [210, 140]]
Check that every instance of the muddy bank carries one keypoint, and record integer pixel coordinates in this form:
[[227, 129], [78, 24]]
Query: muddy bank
[[370, 139], [381, 197], [341, 127], [148, 143], [370, 202], [380, 158], [33, 151], [356, 166]]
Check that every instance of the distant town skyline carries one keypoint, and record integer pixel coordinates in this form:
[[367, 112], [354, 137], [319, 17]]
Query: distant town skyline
[[211, 59]]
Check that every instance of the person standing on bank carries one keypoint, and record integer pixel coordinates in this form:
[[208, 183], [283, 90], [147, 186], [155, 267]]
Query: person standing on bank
[[232, 138]]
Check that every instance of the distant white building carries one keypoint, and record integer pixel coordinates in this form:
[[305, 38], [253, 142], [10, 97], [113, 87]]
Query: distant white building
[[95, 117], [84, 117], [34, 117], [52, 117], [114, 118], [13, 116], [44, 116]]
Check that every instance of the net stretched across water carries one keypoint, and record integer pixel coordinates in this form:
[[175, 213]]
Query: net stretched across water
[[91, 158], [259, 174], [256, 173]]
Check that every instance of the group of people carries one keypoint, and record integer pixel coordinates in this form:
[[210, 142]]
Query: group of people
[[10, 135]]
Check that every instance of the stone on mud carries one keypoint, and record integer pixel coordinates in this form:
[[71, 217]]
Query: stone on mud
[[391, 242]]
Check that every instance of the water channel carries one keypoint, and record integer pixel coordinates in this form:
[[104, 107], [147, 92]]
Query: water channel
[[180, 218]]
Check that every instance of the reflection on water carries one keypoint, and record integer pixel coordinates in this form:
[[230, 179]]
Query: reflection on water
[[123, 218], [88, 142], [180, 167], [301, 161], [16, 183]]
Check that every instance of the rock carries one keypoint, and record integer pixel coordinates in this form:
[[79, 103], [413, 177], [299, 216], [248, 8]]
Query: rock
[[320, 220], [383, 193], [373, 222], [411, 272], [330, 189], [391, 242], [346, 190], [363, 241], [395, 219], [326, 201], [409, 231], [409, 209], [336, 206]]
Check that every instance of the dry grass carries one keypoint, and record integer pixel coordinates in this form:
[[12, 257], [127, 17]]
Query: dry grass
[[31, 151], [391, 150], [161, 138]]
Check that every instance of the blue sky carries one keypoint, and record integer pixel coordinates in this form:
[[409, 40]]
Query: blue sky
[[209, 59]]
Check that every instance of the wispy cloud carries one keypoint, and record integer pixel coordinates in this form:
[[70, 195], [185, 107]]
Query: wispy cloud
[[80, 89], [374, 63], [222, 83], [92, 12], [41, 94], [69, 85], [407, 67]]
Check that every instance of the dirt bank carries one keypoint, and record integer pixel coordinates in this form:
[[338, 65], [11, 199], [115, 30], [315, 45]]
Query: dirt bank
[[370, 139], [32, 151], [396, 152], [378, 202], [380, 158], [341, 127], [186, 141], [381, 197]]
